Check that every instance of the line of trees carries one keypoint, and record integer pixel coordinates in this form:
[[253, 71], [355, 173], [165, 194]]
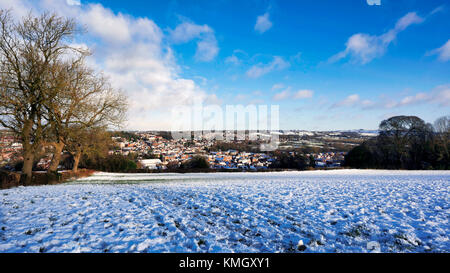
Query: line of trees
[[196, 162], [49, 97], [405, 142], [111, 163], [289, 160]]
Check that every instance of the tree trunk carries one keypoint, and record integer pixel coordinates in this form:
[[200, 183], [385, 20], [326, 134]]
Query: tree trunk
[[27, 169], [59, 146], [28, 153], [76, 161]]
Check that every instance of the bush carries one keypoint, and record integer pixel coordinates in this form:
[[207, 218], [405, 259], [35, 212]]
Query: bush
[[17, 166], [150, 156], [359, 157], [286, 160], [110, 163], [196, 162], [404, 142]]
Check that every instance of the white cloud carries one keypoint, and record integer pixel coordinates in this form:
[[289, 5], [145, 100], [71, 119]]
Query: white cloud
[[282, 95], [367, 104], [233, 60], [188, 31], [287, 94], [240, 97], [256, 101], [348, 101], [207, 48], [443, 52], [439, 96], [131, 52], [436, 10], [260, 69], [212, 99], [263, 23], [277, 86], [20, 8], [257, 93], [303, 94], [442, 95], [107, 25], [407, 20], [413, 99], [202, 80], [363, 48], [137, 61], [73, 2], [355, 100], [374, 2]]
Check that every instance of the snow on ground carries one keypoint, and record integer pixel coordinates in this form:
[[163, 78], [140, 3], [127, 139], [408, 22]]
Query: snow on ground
[[318, 211]]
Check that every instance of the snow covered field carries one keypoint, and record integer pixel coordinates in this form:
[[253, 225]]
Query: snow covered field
[[319, 211]]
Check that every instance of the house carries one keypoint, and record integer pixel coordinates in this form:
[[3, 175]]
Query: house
[[151, 164], [320, 163]]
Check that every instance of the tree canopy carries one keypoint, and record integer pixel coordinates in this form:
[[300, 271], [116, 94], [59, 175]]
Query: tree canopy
[[405, 142], [48, 95]]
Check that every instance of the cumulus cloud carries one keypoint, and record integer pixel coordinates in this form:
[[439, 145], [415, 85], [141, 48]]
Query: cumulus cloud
[[207, 48], [348, 101], [104, 23], [234, 58], [257, 93], [287, 94], [442, 95], [73, 2], [20, 8], [439, 96], [436, 10], [413, 99], [363, 48], [303, 94], [241, 97], [132, 53], [406, 21], [277, 86], [263, 23], [282, 95], [374, 2], [278, 63], [187, 31], [353, 100], [146, 70], [443, 52]]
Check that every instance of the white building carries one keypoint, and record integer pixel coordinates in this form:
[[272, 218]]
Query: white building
[[151, 164]]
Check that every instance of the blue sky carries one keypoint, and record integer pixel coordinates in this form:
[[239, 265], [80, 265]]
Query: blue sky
[[328, 64]]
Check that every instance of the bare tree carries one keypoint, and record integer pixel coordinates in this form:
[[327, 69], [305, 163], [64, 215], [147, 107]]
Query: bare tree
[[402, 138], [102, 107], [442, 125], [94, 141], [83, 100], [29, 51], [442, 129]]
